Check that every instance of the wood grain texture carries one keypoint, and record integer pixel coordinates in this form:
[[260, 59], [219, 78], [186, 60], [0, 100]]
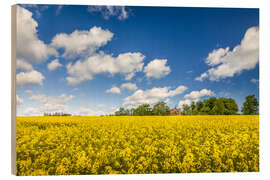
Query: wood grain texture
[[13, 87]]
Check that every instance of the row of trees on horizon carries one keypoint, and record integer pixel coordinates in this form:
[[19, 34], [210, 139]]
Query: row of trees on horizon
[[210, 106], [56, 114]]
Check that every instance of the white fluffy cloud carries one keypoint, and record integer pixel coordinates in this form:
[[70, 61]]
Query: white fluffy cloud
[[127, 64], [184, 102], [152, 96], [215, 57], [49, 104], [114, 90], [117, 90], [23, 65], [46, 108], [62, 99], [109, 11], [202, 76], [31, 111], [82, 42], [228, 63], [157, 69], [88, 112], [54, 65], [195, 96], [19, 100], [129, 86], [29, 47], [29, 78], [176, 91]]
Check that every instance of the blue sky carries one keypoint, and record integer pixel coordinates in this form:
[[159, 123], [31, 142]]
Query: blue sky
[[91, 60]]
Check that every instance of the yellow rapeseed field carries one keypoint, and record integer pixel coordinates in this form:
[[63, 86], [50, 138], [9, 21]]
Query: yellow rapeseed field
[[128, 145]]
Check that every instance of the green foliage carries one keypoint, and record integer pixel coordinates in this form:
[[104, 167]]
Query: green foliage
[[230, 106], [161, 109], [124, 112], [186, 110], [210, 103], [212, 106], [218, 108], [56, 114], [199, 106], [251, 105], [143, 110], [193, 108]]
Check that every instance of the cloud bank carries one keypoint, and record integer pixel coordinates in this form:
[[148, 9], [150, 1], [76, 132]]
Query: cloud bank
[[49, 104], [126, 64], [152, 96]]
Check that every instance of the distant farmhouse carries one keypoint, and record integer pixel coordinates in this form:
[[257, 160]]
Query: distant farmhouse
[[175, 112]]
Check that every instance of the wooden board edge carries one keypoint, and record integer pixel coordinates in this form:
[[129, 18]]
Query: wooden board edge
[[13, 87]]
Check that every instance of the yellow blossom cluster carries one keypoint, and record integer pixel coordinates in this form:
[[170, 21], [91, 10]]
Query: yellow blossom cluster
[[136, 145]]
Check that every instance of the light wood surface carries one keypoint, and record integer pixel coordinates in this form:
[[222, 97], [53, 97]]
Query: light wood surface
[[13, 88]]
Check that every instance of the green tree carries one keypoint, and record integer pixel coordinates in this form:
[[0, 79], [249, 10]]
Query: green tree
[[193, 108], [199, 106], [186, 110], [122, 112], [161, 109], [143, 110], [251, 105], [209, 105], [230, 106], [218, 108]]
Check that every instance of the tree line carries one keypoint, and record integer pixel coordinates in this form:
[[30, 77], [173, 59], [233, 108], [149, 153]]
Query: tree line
[[159, 109], [56, 114], [210, 106]]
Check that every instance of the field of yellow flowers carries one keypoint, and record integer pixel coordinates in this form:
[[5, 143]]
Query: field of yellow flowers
[[128, 145]]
